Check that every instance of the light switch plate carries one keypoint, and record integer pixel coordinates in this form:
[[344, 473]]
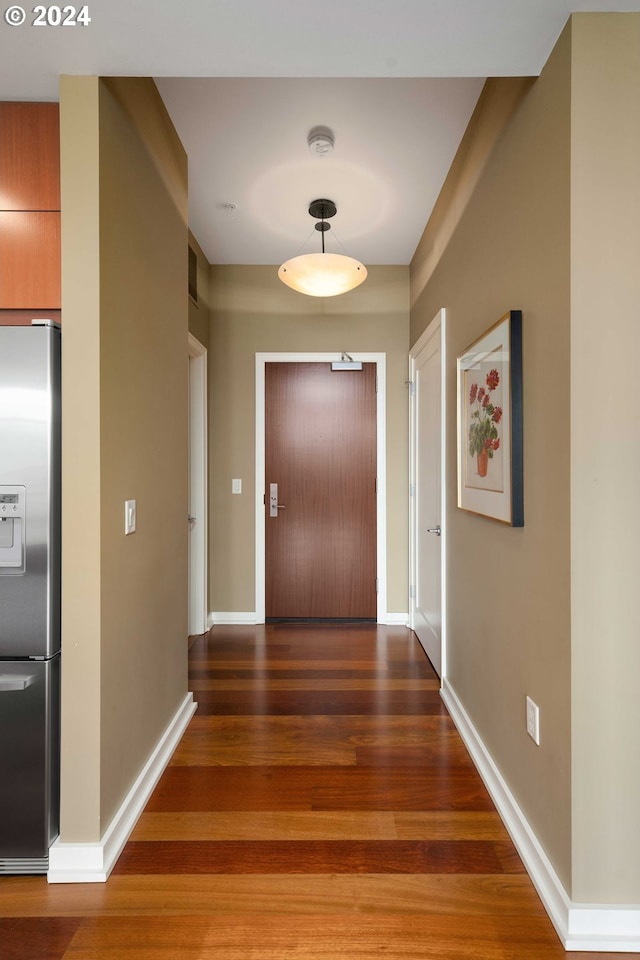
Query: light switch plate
[[533, 720], [129, 517], [236, 486]]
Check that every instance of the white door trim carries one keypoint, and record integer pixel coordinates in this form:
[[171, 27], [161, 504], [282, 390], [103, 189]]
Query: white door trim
[[198, 469], [438, 324], [380, 359]]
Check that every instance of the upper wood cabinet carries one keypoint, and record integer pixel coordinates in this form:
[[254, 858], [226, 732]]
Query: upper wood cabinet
[[29, 259], [29, 156]]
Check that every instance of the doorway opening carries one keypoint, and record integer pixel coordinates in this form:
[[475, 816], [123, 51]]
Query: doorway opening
[[197, 515], [427, 524]]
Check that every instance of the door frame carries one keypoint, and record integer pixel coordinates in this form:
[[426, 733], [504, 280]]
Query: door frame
[[437, 327], [198, 470], [380, 360]]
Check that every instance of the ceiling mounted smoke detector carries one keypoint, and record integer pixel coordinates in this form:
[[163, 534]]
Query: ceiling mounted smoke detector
[[320, 141]]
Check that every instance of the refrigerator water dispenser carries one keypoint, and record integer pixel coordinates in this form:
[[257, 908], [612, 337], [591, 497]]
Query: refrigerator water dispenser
[[12, 522]]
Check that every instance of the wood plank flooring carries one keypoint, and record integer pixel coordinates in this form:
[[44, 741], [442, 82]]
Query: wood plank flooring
[[321, 806]]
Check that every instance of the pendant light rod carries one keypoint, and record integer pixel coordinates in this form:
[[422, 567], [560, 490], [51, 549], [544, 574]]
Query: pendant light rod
[[322, 210]]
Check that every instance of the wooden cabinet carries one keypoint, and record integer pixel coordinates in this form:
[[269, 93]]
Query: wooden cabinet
[[29, 156], [29, 206], [29, 260]]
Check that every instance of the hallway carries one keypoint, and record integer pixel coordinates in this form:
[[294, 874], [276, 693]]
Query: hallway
[[321, 805]]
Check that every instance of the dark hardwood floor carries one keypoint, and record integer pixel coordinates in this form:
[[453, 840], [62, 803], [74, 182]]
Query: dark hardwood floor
[[321, 806]]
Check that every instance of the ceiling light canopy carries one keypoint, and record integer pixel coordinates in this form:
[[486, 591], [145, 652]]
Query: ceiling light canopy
[[322, 274]]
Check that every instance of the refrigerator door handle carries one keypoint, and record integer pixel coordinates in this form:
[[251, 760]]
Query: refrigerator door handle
[[10, 681]]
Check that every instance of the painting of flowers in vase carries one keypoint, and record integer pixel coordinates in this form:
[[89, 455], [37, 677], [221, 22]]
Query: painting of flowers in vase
[[490, 419], [484, 424]]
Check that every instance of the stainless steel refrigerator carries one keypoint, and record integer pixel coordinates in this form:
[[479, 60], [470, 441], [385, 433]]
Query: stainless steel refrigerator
[[29, 594]]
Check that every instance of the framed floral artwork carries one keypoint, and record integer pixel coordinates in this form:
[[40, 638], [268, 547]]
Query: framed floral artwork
[[490, 477]]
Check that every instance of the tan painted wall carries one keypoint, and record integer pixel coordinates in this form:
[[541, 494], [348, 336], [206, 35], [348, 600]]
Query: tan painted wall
[[556, 232], [498, 101], [508, 589], [252, 311], [125, 428], [605, 345], [81, 538]]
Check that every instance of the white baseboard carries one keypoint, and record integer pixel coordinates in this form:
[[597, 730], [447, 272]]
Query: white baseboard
[[93, 862], [232, 616], [250, 618], [581, 926], [397, 619]]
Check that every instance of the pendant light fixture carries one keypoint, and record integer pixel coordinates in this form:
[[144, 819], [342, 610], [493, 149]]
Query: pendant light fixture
[[322, 274]]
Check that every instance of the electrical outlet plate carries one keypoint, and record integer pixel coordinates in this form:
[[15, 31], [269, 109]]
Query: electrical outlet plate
[[129, 517], [533, 720], [236, 486]]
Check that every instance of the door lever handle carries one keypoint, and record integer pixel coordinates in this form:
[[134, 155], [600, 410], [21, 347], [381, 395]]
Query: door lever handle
[[435, 530], [274, 506]]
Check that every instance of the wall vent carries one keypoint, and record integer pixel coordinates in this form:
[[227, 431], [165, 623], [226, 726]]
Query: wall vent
[[193, 275]]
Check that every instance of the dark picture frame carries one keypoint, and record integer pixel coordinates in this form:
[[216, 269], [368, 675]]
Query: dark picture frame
[[490, 414]]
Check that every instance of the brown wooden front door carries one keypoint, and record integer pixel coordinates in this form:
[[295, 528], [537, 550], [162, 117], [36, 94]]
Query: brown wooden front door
[[320, 448]]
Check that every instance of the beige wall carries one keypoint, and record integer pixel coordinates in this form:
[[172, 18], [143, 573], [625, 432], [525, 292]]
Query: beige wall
[[605, 454], [125, 436], [553, 610], [81, 540], [508, 589], [498, 101], [252, 311]]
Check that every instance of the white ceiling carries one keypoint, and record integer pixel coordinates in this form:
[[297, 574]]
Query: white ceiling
[[247, 145], [362, 69]]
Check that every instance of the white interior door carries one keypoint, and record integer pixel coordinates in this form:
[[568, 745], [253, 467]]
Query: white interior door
[[427, 487], [197, 518]]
